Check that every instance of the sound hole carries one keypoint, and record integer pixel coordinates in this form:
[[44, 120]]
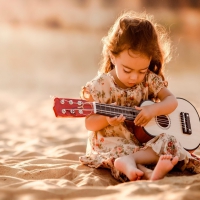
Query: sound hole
[[163, 121]]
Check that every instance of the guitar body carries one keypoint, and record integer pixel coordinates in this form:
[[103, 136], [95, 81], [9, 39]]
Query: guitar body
[[183, 122], [138, 132], [172, 125]]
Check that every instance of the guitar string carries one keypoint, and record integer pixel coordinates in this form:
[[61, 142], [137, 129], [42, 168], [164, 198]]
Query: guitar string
[[127, 115], [120, 108], [127, 109], [133, 115], [159, 120], [160, 117], [150, 122]]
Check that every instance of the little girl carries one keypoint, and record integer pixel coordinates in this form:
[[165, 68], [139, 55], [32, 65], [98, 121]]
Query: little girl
[[134, 53]]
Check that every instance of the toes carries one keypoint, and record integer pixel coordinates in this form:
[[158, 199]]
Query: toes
[[162, 157], [139, 175], [175, 160], [166, 157], [169, 157], [136, 175]]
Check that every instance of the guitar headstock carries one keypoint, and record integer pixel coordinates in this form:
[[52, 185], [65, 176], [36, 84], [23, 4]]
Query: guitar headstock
[[64, 107]]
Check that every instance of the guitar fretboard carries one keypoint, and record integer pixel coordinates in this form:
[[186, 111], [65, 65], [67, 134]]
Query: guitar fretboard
[[113, 110]]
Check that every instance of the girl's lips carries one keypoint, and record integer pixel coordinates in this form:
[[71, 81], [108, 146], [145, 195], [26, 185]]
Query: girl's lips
[[131, 84]]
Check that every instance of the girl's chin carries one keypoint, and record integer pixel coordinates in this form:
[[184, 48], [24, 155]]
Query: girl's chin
[[131, 84]]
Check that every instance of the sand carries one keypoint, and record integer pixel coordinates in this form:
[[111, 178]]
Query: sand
[[39, 159], [39, 152]]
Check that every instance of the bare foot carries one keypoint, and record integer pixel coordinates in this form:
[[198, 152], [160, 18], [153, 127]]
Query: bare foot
[[128, 167], [147, 172], [164, 165]]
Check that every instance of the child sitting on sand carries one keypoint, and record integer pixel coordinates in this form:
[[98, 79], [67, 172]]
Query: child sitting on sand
[[134, 53]]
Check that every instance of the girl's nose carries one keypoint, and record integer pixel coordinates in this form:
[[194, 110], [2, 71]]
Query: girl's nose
[[134, 76]]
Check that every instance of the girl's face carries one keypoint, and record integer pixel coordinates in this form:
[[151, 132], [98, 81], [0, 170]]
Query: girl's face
[[130, 68]]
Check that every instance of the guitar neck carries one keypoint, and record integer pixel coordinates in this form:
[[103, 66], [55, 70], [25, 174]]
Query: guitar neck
[[114, 110]]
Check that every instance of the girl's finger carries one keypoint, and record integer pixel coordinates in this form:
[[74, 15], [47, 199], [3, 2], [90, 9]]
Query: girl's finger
[[138, 120], [138, 108], [144, 123], [111, 119], [120, 117]]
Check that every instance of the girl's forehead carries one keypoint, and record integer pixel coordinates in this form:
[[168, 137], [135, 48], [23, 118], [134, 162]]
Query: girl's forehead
[[128, 54], [134, 60]]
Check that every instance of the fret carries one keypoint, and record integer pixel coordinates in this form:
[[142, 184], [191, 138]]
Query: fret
[[114, 110]]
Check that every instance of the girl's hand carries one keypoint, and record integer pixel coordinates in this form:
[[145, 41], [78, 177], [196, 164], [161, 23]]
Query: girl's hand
[[145, 115], [114, 121]]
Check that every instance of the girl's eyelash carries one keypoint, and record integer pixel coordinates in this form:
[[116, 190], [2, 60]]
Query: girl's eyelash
[[130, 72], [127, 71]]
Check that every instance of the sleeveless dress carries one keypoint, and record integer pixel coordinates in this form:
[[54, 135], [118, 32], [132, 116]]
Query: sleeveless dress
[[104, 146]]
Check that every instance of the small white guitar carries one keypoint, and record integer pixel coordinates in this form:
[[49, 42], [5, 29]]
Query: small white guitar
[[183, 122]]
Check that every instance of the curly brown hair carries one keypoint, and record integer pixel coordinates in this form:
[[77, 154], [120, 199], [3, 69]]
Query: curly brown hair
[[137, 32]]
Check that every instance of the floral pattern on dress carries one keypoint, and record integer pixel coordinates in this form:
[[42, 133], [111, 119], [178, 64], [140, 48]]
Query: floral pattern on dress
[[104, 146]]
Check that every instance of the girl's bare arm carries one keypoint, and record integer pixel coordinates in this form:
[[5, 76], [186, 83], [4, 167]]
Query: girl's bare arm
[[167, 104], [96, 122]]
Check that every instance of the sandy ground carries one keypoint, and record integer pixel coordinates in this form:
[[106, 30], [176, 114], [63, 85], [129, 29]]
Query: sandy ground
[[39, 152], [39, 160]]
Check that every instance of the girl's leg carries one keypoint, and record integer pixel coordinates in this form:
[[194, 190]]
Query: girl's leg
[[147, 172], [164, 165], [127, 164]]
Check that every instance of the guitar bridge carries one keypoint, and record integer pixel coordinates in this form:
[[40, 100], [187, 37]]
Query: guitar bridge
[[185, 123]]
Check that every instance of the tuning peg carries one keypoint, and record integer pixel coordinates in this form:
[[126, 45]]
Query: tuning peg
[[63, 111], [62, 101], [79, 103], [71, 102]]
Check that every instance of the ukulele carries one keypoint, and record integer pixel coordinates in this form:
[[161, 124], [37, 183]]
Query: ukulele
[[183, 122]]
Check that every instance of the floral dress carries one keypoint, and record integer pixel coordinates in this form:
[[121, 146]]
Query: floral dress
[[105, 145]]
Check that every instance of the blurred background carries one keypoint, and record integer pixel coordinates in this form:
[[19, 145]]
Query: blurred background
[[53, 47]]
